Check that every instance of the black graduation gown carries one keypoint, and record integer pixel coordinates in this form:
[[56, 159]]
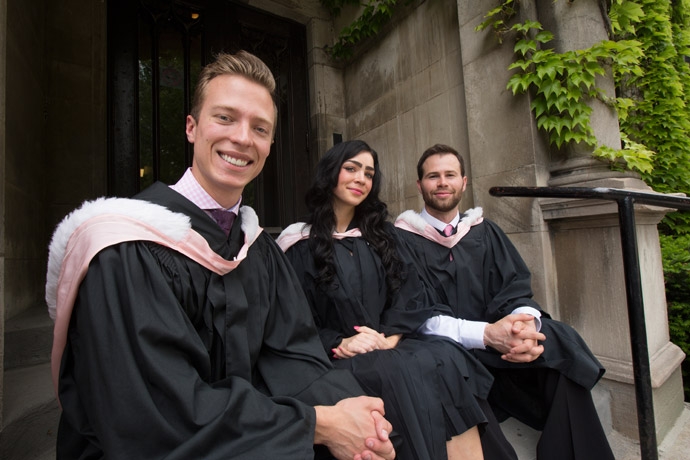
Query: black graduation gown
[[424, 380], [165, 359], [485, 280]]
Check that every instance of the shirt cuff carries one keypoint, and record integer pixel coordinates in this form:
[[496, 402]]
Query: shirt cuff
[[469, 334], [531, 311]]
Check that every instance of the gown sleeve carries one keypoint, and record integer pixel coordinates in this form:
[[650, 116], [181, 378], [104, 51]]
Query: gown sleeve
[[143, 377]]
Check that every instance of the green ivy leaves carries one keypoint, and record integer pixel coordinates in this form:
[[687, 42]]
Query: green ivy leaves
[[375, 14], [675, 251], [649, 57], [624, 15], [563, 84]]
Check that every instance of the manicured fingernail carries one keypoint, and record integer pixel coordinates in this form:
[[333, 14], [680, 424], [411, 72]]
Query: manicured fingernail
[[356, 328]]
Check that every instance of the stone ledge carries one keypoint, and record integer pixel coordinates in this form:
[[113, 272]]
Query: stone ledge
[[28, 338], [673, 447], [31, 414], [662, 365]]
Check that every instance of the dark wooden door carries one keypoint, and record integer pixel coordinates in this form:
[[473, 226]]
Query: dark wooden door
[[155, 51]]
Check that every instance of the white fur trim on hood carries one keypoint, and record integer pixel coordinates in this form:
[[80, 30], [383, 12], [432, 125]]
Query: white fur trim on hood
[[300, 231], [292, 234], [174, 225], [107, 221]]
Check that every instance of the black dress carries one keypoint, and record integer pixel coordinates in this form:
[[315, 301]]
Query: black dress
[[166, 359], [424, 381]]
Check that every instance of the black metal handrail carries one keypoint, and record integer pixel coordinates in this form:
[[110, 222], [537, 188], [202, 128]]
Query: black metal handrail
[[633, 285]]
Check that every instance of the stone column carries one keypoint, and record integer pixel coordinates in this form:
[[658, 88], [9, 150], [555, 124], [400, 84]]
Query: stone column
[[579, 25], [327, 105], [3, 85], [504, 146], [592, 297], [572, 246], [587, 248]]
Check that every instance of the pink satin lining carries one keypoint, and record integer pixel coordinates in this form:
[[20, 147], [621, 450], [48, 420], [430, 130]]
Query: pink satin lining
[[106, 230], [285, 241], [432, 234]]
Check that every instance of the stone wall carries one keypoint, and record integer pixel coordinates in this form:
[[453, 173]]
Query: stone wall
[[53, 141], [3, 149], [75, 107], [431, 78], [405, 94], [55, 135], [25, 157], [23, 236]]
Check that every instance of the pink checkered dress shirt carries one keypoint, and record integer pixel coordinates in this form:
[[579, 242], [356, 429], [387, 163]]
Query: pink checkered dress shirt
[[189, 188]]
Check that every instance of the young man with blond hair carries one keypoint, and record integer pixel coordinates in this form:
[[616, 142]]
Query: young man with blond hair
[[180, 329]]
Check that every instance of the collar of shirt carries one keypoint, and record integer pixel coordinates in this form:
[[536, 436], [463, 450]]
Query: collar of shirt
[[437, 224], [190, 188]]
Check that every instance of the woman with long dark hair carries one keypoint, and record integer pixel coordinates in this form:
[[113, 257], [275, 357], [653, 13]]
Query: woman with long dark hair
[[367, 307]]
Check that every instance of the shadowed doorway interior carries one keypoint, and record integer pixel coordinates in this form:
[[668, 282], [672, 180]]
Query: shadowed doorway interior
[[156, 49]]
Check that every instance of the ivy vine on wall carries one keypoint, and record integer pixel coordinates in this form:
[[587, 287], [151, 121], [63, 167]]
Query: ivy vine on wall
[[563, 85], [375, 14], [648, 54]]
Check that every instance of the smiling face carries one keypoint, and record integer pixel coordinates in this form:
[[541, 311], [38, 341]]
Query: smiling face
[[354, 181], [232, 136], [442, 185]]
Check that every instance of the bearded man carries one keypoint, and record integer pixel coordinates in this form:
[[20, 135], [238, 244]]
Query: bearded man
[[543, 370]]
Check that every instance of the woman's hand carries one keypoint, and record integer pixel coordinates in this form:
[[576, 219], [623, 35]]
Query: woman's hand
[[364, 341], [392, 340]]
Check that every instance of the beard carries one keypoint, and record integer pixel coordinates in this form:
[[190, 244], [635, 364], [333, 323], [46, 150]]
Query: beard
[[441, 204]]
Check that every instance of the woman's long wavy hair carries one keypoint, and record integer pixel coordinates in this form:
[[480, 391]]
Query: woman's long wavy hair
[[370, 215]]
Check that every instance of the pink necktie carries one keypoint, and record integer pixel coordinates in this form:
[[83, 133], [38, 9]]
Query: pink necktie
[[448, 230]]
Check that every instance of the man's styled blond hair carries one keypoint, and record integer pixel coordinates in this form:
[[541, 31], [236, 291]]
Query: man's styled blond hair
[[241, 63]]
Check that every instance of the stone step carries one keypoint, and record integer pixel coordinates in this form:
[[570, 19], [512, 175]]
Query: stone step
[[673, 447], [30, 414], [28, 338]]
